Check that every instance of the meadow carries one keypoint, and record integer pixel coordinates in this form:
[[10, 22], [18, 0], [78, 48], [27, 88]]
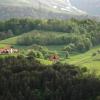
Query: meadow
[[80, 59]]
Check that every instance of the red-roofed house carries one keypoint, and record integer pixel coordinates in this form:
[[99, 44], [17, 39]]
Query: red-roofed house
[[54, 58]]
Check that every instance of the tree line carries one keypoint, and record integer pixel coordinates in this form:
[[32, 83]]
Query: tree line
[[81, 33], [19, 26], [73, 42]]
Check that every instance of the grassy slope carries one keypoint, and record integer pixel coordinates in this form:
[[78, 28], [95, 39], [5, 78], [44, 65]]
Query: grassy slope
[[3, 45], [86, 59], [10, 41]]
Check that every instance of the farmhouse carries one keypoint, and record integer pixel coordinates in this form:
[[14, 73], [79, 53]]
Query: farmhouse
[[54, 58], [8, 50]]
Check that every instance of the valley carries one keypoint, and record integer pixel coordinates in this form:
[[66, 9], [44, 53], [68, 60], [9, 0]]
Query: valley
[[49, 50]]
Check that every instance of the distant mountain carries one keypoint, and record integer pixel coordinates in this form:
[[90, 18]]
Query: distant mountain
[[38, 9]]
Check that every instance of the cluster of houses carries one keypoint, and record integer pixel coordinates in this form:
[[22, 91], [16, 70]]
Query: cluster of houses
[[8, 50]]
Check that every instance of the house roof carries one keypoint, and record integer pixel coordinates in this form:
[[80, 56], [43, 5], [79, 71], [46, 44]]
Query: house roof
[[54, 57]]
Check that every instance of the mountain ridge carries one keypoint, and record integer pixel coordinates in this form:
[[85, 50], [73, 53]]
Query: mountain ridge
[[38, 9]]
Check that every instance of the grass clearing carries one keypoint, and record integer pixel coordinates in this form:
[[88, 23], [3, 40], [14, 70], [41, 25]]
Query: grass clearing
[[3, 45], [45, 62], [86, 60]]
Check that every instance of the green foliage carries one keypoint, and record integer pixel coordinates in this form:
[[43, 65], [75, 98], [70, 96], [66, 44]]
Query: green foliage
[[89, 59], [67, 54], [23, 78], [70, 47], [73, 42], [82, 33], [4, 35], [35, 54], [80, 45]]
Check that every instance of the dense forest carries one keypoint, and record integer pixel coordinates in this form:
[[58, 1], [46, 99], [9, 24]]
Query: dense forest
[[24, 78], [19, 26]]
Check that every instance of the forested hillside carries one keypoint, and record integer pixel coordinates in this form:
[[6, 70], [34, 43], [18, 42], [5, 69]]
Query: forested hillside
[[18, 26], [25, 79], [79, 35]]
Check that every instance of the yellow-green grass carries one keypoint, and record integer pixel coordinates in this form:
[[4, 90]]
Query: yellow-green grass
[[9, 41], [3, 45], [86, 60], [45, 62]]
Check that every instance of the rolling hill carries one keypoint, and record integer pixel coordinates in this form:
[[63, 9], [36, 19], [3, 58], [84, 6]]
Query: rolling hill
[[13, 40], [86, 59]]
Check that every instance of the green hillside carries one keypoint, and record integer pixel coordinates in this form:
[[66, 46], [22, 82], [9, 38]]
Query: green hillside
[[81, 59], [43, 35], [86, 59], [10, 41]]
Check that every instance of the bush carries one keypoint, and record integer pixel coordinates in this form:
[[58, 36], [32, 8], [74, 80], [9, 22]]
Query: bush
[[67, 54], [35, 54]]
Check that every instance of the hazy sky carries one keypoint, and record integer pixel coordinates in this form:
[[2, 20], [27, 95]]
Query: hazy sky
[[90, 6]]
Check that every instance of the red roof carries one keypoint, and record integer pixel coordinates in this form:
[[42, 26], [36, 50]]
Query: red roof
[[54, 57]]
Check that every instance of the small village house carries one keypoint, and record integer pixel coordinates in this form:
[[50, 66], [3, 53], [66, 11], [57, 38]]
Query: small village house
[[55, 58], [8, 50]]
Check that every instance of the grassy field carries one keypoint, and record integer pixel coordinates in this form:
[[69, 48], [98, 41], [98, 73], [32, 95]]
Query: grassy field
[[3, 45], [57, 49], [83, 59], [86, 60]]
